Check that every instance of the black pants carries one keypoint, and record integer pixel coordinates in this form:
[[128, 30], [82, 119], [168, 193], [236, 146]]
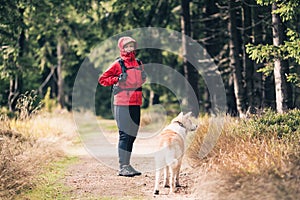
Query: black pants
[[128, 121]]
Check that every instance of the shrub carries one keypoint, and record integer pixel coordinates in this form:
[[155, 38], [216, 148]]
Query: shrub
[[28, 104], [281, 125], [24, 150], [250, 154], [261, 144]]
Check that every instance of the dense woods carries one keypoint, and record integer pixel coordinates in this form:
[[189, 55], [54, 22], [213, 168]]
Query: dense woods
[[248, 52], [254, 43]]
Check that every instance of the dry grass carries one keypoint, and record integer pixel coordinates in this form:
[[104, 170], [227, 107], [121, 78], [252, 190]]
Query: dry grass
[[246, 163], [26, 146], [153, 118]]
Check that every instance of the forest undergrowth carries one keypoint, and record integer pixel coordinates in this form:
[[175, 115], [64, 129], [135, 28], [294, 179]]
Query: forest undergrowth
[[27, 146], [253, 158]]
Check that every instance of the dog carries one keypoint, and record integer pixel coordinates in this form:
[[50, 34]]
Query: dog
[[170, 152]]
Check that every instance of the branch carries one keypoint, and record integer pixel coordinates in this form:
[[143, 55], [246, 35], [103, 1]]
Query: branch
[[47, 79]]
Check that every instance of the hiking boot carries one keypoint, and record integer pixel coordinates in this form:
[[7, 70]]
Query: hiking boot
[[126, 171], [136, 173]]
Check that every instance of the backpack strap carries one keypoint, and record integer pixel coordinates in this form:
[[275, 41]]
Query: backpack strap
[[138, 61], [116, 89], [141, 67], [123, 67]]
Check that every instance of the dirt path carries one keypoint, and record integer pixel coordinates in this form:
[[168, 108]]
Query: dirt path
[[95, 178]]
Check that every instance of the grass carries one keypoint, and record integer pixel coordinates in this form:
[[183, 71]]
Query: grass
[[252, 154], [108, 125], [50, 185], [27, 145], [255, 158]]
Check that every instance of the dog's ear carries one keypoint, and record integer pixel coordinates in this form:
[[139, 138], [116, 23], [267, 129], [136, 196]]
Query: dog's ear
[[178, 118], [180, 114], [188, 114]]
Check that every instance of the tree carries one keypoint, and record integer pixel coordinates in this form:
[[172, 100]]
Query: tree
[[256, 77], [278, 54], [16, 62], [190, 73], [253, 80], [43, 44], [280, 66], [62, 42], [235, 63]]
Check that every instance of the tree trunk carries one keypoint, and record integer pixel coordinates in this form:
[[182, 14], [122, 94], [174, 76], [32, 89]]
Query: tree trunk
[[280, 66], [296, 101], [247, 62], [231, 100], [60, 80], [235, 61], [154, 98], [13, 92], [190, 73], [15, 83], [257, 89]]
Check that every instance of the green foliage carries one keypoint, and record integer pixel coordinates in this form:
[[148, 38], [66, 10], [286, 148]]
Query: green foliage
[[103, 103], [292, 46], [263, 53], [290, 50], [286, 9], [273, 124], [5, 113], [31, 31], [49, 104], [294, 78]]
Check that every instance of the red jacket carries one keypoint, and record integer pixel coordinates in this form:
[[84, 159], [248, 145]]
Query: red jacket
[[134, 79]]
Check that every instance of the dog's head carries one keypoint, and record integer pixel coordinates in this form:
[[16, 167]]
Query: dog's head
[[185, 121]]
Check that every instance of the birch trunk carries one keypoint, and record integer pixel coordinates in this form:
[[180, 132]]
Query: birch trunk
[[280, 66]]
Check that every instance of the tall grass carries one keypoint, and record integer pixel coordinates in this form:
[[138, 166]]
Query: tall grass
[[27, 144], [253, 152]]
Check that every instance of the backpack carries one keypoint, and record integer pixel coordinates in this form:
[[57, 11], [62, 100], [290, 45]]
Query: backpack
[[123, 67], [116, 89]]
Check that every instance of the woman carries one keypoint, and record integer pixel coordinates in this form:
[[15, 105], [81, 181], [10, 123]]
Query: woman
[[127, 76]]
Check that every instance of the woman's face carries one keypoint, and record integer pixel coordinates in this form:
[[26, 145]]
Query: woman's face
[[129, 47]]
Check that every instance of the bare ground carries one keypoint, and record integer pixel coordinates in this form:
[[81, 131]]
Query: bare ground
[[91, 178], [94, 178]]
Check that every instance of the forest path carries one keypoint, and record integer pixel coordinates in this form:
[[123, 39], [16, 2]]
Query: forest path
[[94, 176]]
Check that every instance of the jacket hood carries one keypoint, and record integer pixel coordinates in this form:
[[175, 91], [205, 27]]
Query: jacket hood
[[123, 41]]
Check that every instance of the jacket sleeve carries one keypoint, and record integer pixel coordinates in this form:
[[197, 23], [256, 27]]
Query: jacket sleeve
[[110, 76]]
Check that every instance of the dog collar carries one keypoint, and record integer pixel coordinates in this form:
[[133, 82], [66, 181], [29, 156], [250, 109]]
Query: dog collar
[[180, 124]]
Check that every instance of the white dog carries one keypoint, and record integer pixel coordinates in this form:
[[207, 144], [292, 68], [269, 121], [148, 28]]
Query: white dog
[[171, 150]]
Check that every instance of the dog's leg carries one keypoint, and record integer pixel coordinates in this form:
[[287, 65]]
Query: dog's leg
[[172, 179], [157, 177], [166, 177], [177, 179], [177, 173]]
